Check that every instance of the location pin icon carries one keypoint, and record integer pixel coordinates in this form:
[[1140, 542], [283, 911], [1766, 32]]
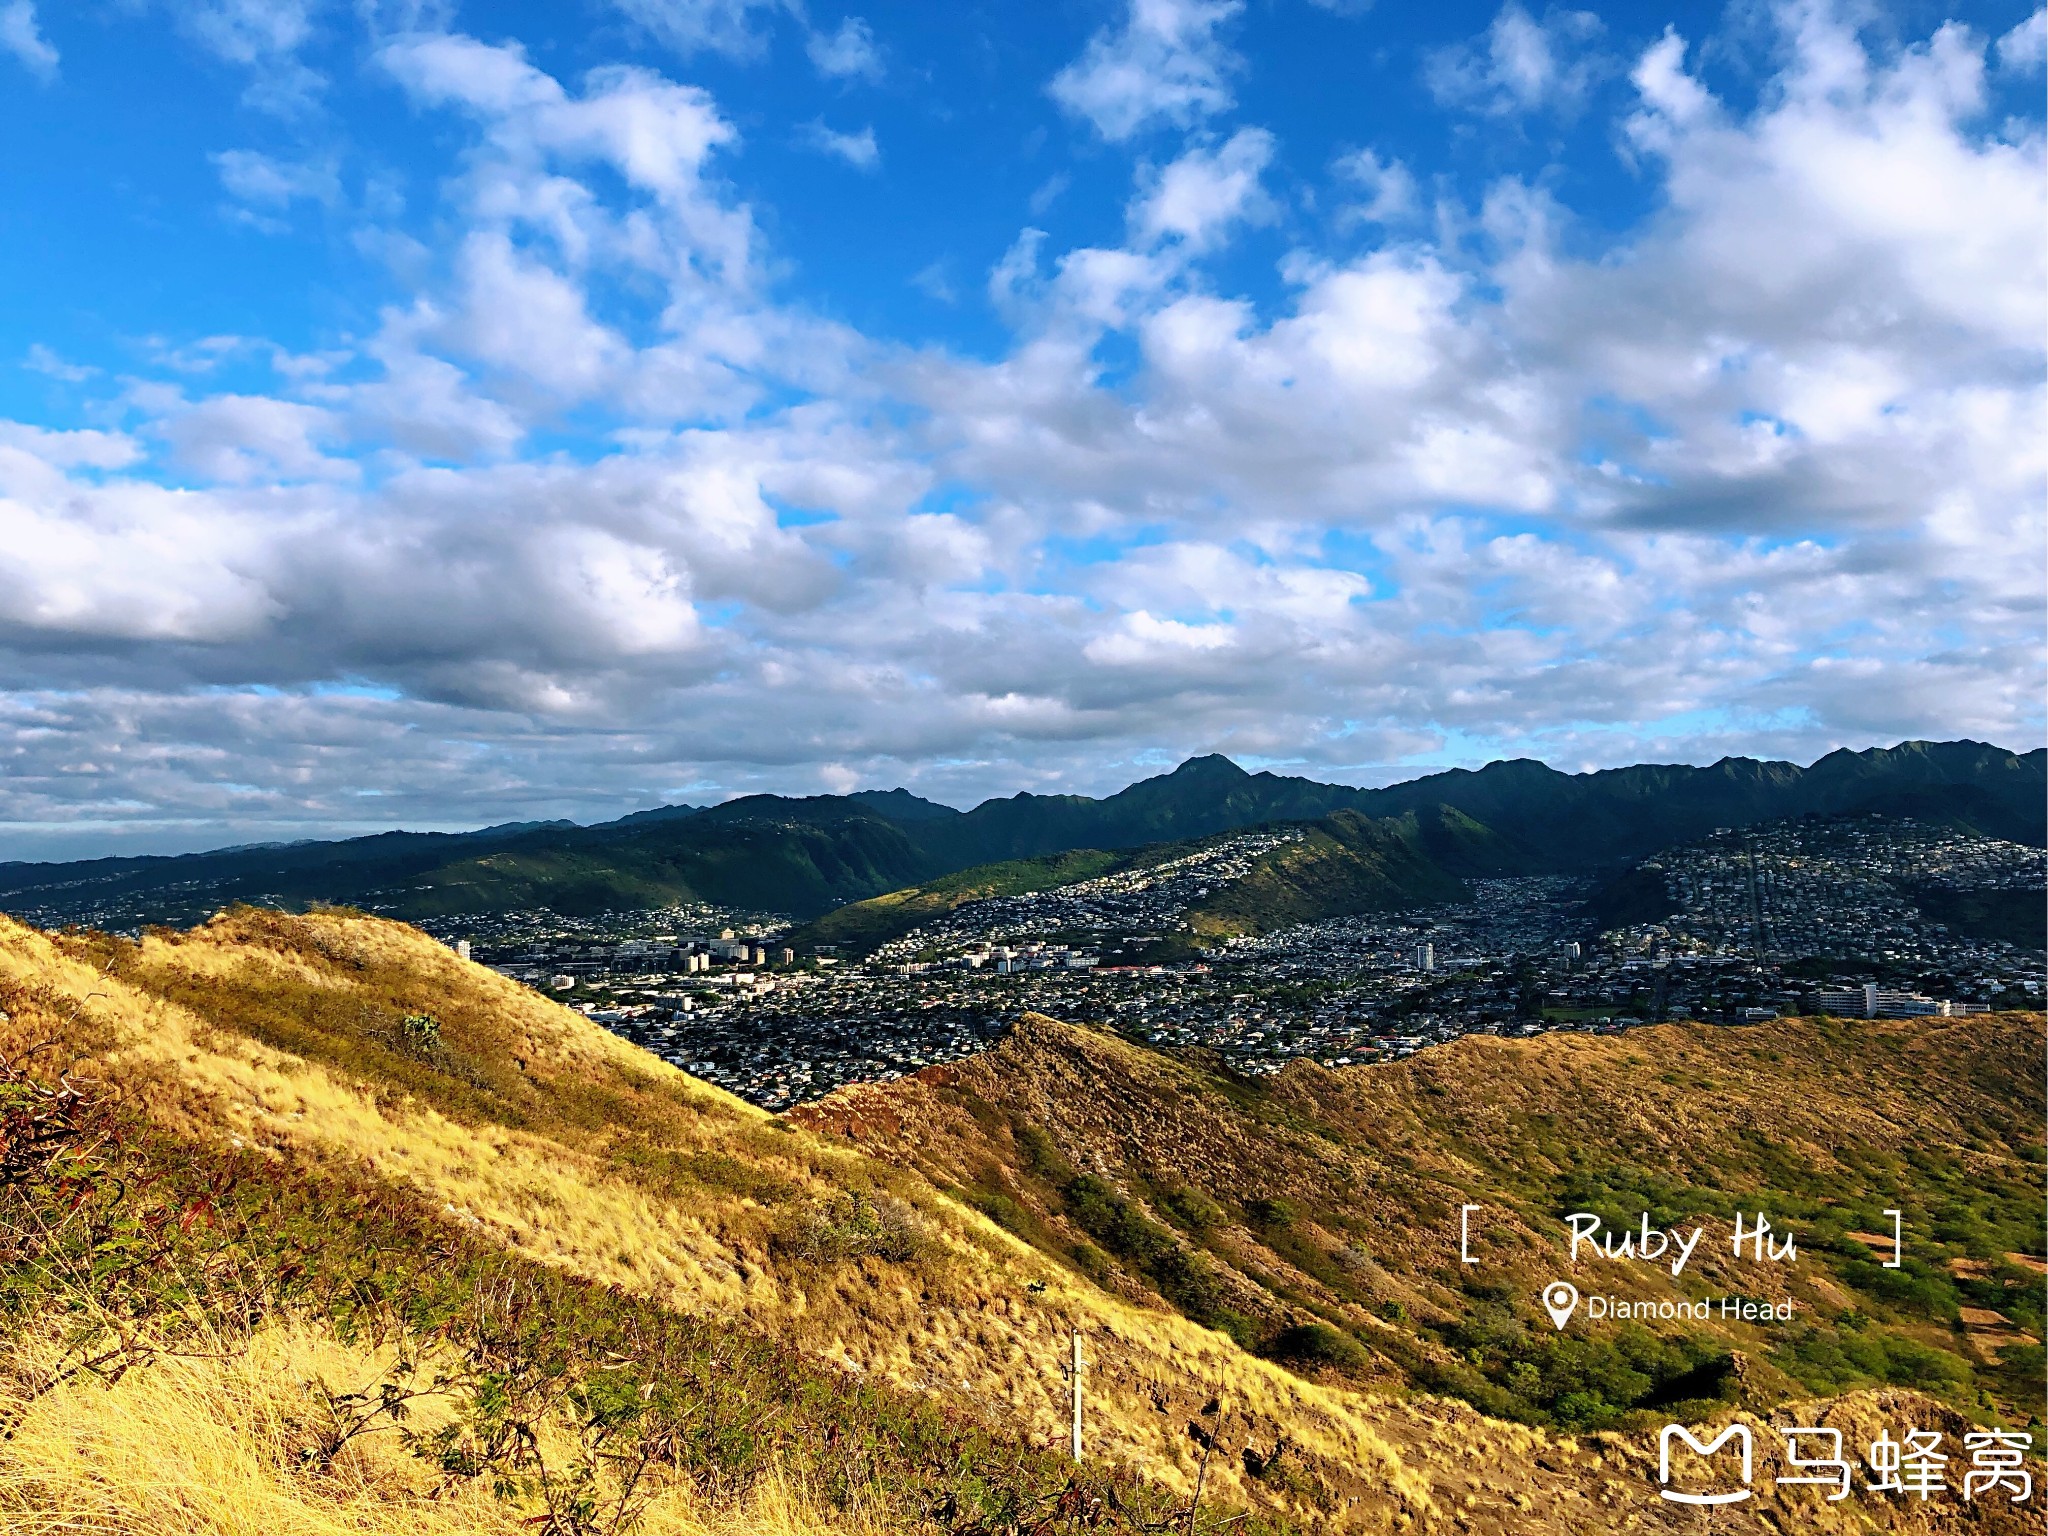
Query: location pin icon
[[1560, 1300]]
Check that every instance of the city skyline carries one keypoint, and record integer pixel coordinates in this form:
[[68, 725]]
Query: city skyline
[[438, 415]]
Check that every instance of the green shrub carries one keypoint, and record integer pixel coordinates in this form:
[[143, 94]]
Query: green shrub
[[1318, 1344], [1092, 1262], [1113, 1221], [1002, 1210], [1583, 1410], [1269, 1212], [1191, 1210], [422, 1032], [1041, 1156]]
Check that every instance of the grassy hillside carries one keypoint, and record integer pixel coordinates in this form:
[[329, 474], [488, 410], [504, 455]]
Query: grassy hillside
[[1318, 1210], [801, 867], [2013, 917], [311, 1226], [1344, 864]]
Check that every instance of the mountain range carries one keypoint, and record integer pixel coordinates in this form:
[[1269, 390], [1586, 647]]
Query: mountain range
[[804, 856]]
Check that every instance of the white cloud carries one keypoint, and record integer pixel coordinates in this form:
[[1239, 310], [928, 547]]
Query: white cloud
[[656, 135], [1388, 185], [1047, 192], [264, 187], [37, 450], [2024, 49], [700, 26], [425, 406], [1140, 639], [846, 54], [1862, 181], [1772, 457], [259, 178], [1673, 98], [544, 235], [1521, 65], [526, 318], [263, 37], [1201, 195], [130, 562], [935, 281], [20, 36], [858, 150], [1165, 65], [238, 439], [45, 361]]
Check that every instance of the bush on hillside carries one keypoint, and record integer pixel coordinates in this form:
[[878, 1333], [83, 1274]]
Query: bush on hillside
[[1318, 1344], [850, 1227], [1270, 1212], [1191, 1210]]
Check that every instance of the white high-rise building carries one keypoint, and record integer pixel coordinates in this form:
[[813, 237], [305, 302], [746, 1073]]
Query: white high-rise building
[[1425, 957]]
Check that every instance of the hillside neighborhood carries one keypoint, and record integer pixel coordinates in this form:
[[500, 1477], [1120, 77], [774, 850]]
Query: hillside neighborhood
[[1800, 917]]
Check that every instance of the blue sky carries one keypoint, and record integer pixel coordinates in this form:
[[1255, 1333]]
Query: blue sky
[[433, 414]]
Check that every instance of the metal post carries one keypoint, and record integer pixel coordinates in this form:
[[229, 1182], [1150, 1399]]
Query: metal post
[[1077, 1394]]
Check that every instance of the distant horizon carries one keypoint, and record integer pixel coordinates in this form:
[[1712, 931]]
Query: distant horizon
[[464, 830]]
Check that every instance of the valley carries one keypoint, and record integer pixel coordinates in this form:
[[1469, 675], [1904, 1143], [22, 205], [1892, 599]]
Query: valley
[[889, 986]]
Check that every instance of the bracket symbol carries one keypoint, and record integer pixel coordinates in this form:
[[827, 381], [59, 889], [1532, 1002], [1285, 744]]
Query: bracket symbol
[[1465, 1233], [1898, 1258]]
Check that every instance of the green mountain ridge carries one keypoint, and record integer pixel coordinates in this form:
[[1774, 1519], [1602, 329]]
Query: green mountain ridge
[[805, 856]]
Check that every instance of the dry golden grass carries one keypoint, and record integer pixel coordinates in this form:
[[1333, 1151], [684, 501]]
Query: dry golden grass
[[214, 1443], [964, 1322], [978, 1317]]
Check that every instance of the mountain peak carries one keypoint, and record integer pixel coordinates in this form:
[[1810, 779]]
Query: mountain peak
[[900, 804], [1213, 765]]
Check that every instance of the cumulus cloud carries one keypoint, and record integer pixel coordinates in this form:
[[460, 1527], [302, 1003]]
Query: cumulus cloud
[[849, 53], [1771, 459], [263, 37], [1387, 185], [1520, 64], [236, 439], [858, 150], [699, 26], [20, 36], [1201, 195], [44, 360], [2024, 49], [1164, 65], [543, 240], [264, 187]]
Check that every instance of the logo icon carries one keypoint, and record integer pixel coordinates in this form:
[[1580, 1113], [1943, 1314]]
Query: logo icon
[[1560, 1300], [1739, 1433]]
